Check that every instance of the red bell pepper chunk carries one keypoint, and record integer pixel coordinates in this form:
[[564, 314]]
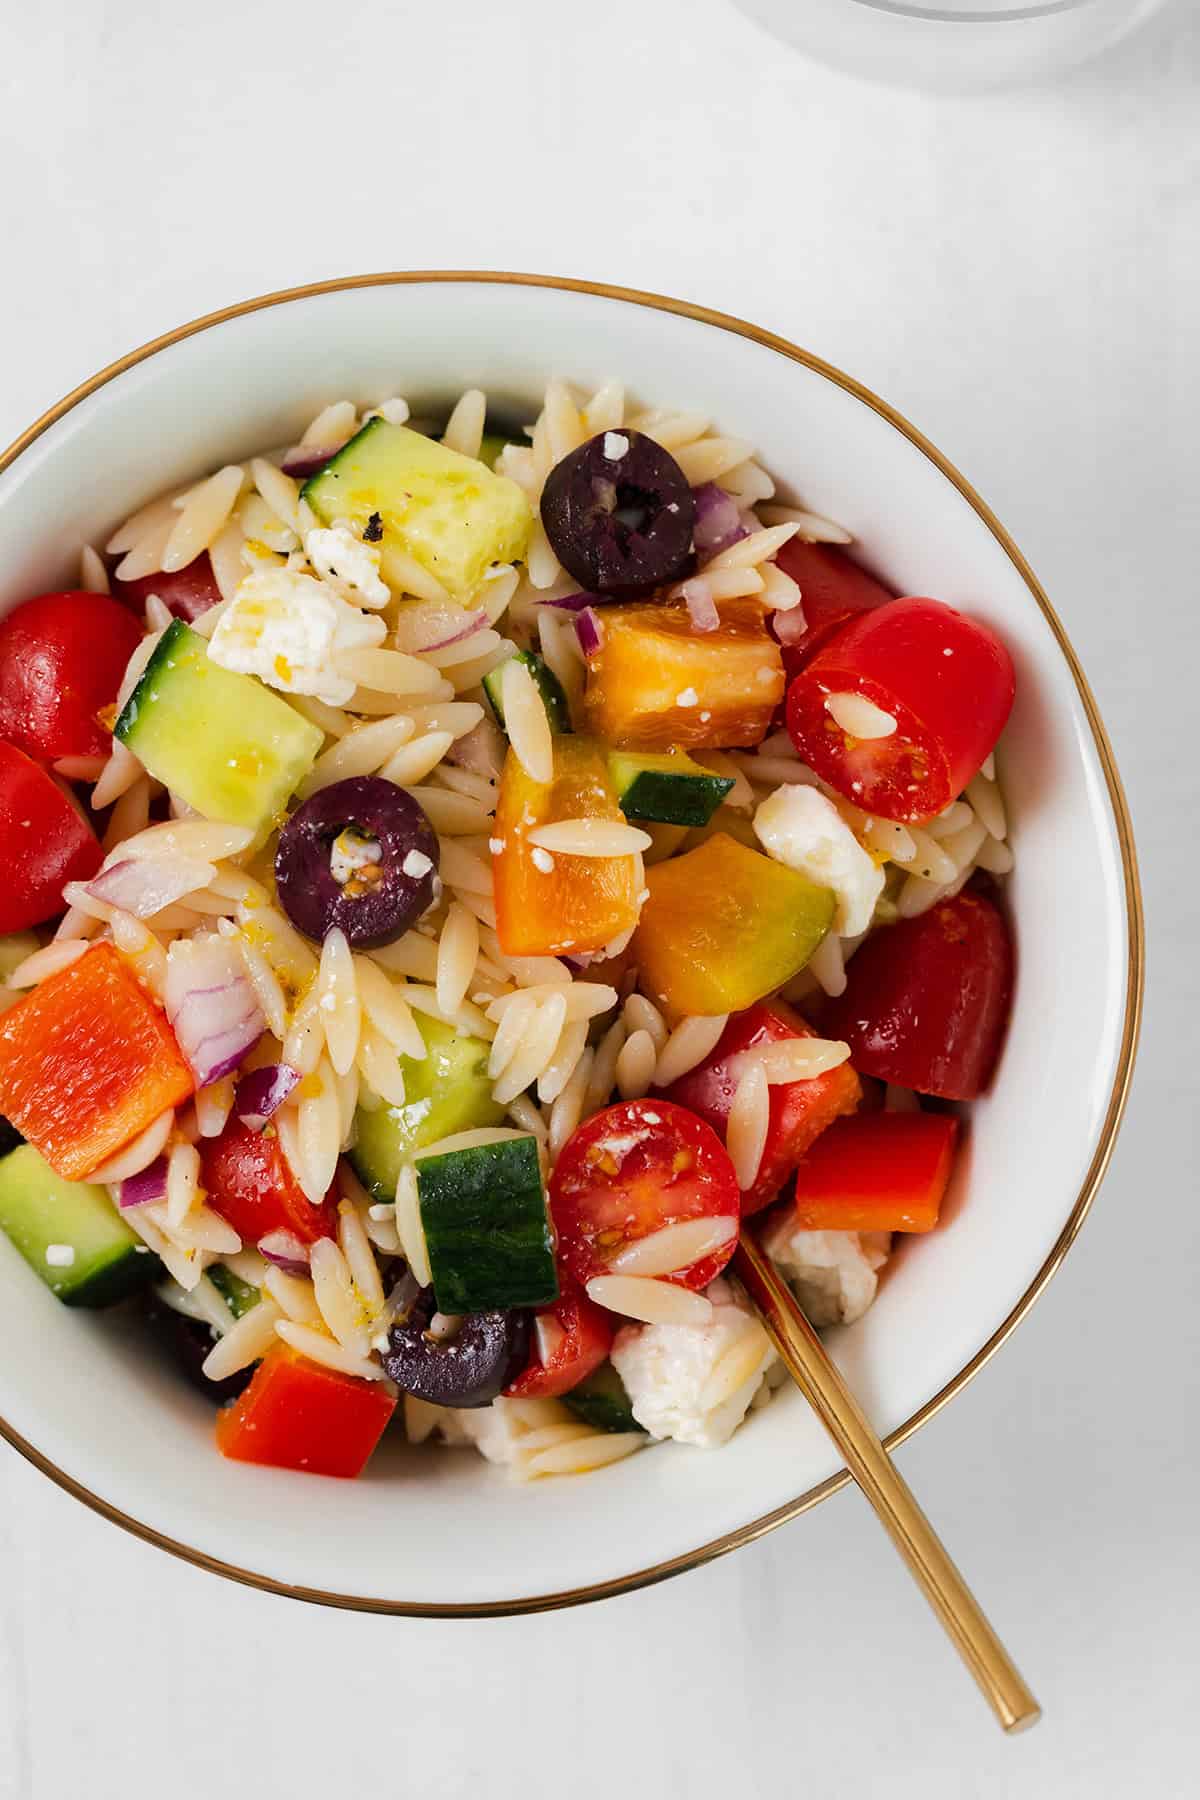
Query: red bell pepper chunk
[[833, 590], [185, 592], [927, 1000], [297, 1414], [44, 842], [876, 1172], [800, 1110], [576, 1336], [946, 680], [62, 657], [247, 1180], [87, 1061]]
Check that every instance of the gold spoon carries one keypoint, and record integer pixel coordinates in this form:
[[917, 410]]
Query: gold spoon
[[813, 1370]]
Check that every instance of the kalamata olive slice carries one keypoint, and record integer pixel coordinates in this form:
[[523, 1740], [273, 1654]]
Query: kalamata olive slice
[[188, 1342], [360, 855], [618, 513], [468, 1368]]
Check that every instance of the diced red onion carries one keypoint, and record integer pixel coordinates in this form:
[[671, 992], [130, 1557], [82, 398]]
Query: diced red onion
[[573, 602], [788, 626], [286, 1251], [262, 1093], [211, 1005], [148, 1185], [144, 885], [702, 608], [307, 459], [589, 630], [481, 750], [718, 523], [472, 622]]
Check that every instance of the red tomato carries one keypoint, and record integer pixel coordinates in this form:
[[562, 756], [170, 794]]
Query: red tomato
[[833, 590], [632, 1170], [187, 592], [247, 1180], [297, 1414], [947, 681], [800, 1110], [44, 843], [884, 1171], [927, 1000], [62, 657], [575, 1336]]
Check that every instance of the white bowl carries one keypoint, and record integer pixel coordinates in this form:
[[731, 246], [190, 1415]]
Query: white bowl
[[86, 1400]]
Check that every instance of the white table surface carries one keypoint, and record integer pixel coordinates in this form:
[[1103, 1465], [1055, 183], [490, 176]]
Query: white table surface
[[1020, 274]]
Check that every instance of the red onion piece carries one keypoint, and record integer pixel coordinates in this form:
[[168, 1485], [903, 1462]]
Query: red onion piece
[[148, 1185], [789, 626], [285, 1251], [702, 608], [573, 602], [211, 1005], [144, 885], [718, 522], [589, 630], [262, 1093], [304, 460]]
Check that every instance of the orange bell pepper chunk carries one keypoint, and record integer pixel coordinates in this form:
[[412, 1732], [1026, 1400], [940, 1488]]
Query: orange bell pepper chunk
[[298, 1414], [87, 1061], [725, 926], [656, 683], [877, 1172], [577, 904]]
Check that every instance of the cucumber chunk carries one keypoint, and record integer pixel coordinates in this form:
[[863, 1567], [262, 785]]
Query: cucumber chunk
[[601, 1400], [222, 742], [548, 685], [447, 512], [70, 1233], [448, 1090], [668, 787], [238, 1295], [487, 1231]]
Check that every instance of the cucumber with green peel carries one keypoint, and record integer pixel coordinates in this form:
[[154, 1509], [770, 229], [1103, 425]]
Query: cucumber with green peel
[[549, 687], [239, 1296], [222, 742], [487, 1230], [446, 1091], [667, 787], [601, 1400], [70, 1233], [448, 512]]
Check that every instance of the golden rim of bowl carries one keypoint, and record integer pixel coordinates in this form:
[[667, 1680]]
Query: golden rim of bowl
[[1135, 975]]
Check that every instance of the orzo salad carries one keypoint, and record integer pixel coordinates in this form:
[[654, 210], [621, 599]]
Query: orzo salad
[[452, 878]]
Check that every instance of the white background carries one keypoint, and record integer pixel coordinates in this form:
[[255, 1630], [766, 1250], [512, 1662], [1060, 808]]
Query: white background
[[1020, 275]]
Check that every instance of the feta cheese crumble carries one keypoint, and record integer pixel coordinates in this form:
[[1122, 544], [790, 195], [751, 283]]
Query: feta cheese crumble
[[833, 1272], [694, 1383], [351, 852], [286, 628], [416, 864], [800, 827], [341, 558], [687, 697], [616, 444], [60, 1256]]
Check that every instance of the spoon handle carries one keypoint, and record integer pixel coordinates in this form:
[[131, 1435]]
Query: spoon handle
[[819, 1380]]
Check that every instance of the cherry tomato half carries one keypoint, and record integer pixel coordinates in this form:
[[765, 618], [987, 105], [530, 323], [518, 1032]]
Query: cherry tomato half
[[247, 1180], [186, 592], [570, 1340], [927, 999], [833, 590], [44, 842], [947, 681], [634, 1169], [800, 1110], [62, 657]]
